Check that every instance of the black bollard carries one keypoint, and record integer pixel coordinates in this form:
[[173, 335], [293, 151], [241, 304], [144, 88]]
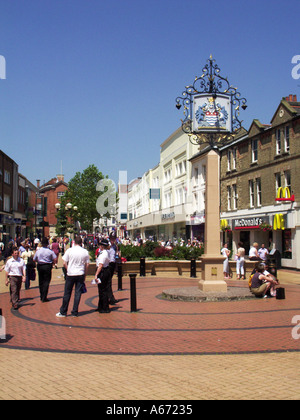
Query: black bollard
[[142, 267], [132, 292], [119, 268], [193, 267]]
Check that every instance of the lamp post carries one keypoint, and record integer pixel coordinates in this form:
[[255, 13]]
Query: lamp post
[[68, 208], [211, 108]]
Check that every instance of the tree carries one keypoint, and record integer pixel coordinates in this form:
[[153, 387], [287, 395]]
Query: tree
[[90, 191]]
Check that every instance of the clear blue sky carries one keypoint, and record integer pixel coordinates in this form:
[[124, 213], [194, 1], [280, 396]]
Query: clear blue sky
[[95, 81]]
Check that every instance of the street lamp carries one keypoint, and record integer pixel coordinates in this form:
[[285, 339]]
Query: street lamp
[[211, 109]]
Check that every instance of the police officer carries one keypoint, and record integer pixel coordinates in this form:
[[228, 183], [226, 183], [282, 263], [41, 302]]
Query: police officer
[[45, 259], [102, 276], [113, 254]]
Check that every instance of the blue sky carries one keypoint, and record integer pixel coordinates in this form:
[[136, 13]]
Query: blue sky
[[95, 81]]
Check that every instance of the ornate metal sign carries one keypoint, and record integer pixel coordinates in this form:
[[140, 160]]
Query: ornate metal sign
[[211, 107]]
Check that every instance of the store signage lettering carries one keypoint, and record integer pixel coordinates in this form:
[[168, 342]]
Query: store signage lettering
[[253, 222], [167, 216]]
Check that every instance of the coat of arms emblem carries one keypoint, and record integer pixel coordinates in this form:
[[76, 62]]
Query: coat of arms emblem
[[211, 114]]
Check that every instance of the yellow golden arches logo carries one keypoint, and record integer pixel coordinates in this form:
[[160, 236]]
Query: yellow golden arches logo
[[223, 223], [284, 194], [278, 222]]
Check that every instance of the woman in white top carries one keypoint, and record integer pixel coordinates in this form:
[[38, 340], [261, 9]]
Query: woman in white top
[[253, 253], [102, 277], [15, 275], [225, 252], [240, 261]]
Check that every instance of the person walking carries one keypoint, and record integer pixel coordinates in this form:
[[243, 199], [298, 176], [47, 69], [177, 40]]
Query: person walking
[[240, 261], [113, 253], [225, 252], [55, 248], [27, 256], [45, 258], [76, 262], [15, 275], [102, 276]]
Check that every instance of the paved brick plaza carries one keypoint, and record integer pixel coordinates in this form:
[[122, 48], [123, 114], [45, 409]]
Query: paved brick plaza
[[231, 338]]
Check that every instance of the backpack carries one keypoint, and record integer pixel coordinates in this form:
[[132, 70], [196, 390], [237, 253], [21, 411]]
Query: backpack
[[250, 280]]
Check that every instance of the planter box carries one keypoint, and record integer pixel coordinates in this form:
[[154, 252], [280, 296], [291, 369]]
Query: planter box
[[154, 267]]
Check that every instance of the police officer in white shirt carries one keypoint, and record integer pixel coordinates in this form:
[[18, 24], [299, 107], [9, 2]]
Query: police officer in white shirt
[[76, 262], [15, 274], [113, 253], [103, 274]]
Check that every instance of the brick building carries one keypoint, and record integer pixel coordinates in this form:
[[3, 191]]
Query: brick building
[[50, 194], [257, 170]]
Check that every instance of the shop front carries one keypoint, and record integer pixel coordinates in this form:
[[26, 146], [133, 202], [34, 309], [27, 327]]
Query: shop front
[[251, 229]]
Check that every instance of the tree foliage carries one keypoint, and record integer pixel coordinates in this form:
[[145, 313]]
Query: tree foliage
[[84, 194]]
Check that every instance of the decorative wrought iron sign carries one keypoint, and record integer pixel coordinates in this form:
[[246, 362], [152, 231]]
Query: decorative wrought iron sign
[[211, 107]]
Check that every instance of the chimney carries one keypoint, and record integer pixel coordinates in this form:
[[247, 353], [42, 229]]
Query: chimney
[[295, 98], [60, 177], [38, 183]]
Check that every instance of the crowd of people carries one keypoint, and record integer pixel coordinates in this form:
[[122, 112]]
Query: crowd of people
[[22, 258]]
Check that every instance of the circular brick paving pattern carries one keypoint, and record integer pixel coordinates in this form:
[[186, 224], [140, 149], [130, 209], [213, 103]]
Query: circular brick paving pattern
[[158, 327]]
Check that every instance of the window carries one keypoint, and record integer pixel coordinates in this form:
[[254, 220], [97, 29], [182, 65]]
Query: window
[[60, 194], [277, 180], [234, 159], [234, 196], [228, 198], [168, 175], [254, 150], [196, 174], [251, 193], [6, 204], [278, 142], [180, 168], [204, 174], [7, 177], [287, 139], [287, 180], [168, 199], [258, 191], [228, 160]]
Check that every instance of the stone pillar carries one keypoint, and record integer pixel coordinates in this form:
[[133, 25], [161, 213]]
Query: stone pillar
[[212, 278]]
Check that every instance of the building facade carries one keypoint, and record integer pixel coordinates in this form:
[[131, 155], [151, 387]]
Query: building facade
[[260, 185]]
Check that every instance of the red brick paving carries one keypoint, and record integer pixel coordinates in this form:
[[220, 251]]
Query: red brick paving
[[158, 327]]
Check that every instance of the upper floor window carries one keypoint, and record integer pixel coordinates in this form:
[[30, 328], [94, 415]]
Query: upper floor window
[[278, 142], [167, 175], [251, 192], [277, 180], [228, 160], [234, 158], [287, 179], [7, 177], [258, 191], [234, 196], [254, 150], [228, 198], [287, 139], [180, 168], [196, 175]]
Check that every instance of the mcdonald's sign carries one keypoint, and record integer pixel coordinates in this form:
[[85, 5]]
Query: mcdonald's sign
[[284, 194], [278, 222]]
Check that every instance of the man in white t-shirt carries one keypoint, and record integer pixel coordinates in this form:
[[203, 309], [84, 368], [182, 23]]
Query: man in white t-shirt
[[76, 262]]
